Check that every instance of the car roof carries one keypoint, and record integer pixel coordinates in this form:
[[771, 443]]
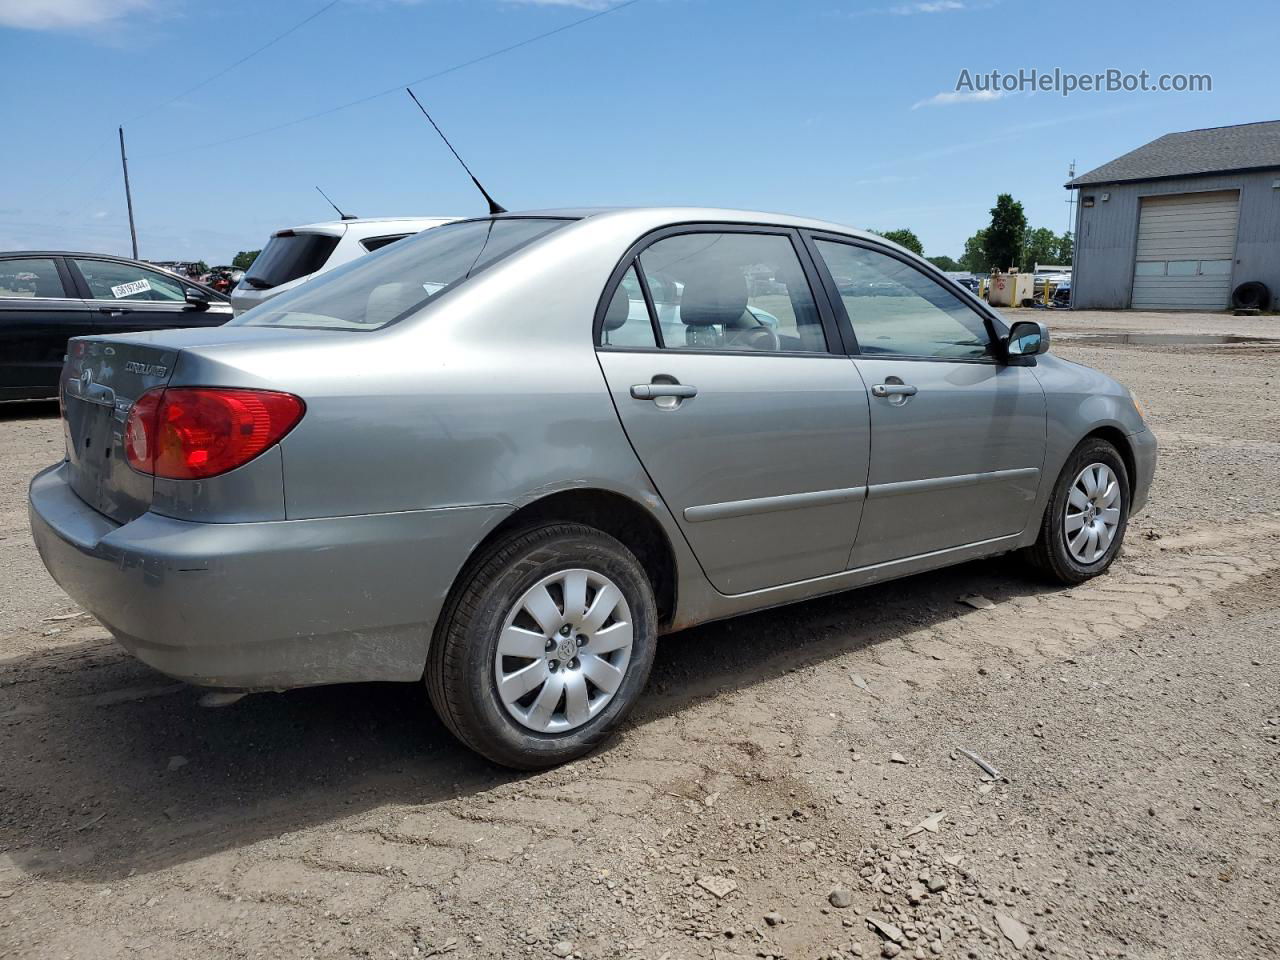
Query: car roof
[[663, 216], [78, 253], [327, 226], [657, 214]]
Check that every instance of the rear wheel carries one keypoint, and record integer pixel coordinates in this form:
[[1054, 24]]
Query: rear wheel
[[1085, 521], [546, 646]]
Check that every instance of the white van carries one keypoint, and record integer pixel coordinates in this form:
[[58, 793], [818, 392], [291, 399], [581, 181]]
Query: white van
[[292, 257]]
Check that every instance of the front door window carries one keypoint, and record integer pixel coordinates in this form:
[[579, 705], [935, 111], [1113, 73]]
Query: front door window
[[896, 310], [110, 280]]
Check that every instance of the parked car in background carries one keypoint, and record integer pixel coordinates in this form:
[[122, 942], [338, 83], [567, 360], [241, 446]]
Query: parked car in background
[[969, 281], [506, 454], [292, 257], [1062, 294], [47, 297], [191, 269], [223, 278], [1052, 281]]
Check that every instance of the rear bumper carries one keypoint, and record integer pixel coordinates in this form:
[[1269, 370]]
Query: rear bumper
[[1145, 454], [260, 605]]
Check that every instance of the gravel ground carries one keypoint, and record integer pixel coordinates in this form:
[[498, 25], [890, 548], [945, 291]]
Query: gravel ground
[[793, 787]]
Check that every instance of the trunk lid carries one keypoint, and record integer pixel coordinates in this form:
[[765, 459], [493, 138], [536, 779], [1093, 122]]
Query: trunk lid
[[101, 379]]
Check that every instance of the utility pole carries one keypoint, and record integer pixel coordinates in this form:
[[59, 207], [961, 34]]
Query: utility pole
[[128, 196]]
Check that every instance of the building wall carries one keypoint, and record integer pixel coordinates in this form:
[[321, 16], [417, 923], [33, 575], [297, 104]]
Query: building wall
[[1107, 235]]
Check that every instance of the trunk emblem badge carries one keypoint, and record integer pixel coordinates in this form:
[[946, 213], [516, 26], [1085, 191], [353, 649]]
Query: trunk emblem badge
[[145, 369]]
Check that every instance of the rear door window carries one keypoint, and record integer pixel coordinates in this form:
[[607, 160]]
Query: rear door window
[[288, 256], [732, 291], [34, 278], [626, 319], [109, 280]]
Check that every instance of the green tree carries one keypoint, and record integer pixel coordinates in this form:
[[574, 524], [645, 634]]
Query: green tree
[[244, 259], [1066, 248], [1040, 245], [944, 262], [974, 259], [1002, 244], [903, 238]]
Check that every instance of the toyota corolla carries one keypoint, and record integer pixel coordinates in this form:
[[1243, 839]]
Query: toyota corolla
[[503, 456]]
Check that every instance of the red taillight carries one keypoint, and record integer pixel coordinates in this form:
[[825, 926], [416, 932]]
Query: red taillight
[[189, 433], [140, 431]]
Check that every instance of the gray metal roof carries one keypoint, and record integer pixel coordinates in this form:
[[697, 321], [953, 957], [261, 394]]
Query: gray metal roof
[[1246, 146]]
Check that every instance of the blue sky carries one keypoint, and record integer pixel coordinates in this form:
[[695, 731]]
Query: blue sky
[[816, 107]]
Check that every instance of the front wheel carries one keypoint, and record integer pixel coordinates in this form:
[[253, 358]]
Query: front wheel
[[1085, 521], [545, 647]]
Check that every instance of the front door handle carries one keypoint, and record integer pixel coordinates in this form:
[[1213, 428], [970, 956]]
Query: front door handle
[[652, 391], [893, 390], [111, 311]]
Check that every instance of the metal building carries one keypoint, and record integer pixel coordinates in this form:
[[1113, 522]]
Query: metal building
[[1181, 222]]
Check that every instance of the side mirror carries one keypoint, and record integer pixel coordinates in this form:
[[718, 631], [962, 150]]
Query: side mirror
[[197, 299], [1027, 338]]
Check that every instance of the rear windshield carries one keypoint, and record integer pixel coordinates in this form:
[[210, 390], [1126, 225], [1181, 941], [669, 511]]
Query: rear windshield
[[289, 256], [400, 279]]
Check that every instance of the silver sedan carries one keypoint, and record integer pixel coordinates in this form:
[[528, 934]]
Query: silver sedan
[[505, 455]]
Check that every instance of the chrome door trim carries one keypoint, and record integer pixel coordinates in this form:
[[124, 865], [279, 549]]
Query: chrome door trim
[[877, 490], [758, 505], [52, 302], [150, 306]]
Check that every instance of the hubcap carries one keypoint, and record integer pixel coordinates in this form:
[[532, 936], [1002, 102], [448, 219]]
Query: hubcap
[[564, 650], [1093, 513]]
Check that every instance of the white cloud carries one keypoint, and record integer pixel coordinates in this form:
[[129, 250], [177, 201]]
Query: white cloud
[[66, 14], [932, 6], [580, 4], [948, 97], [918, 7]]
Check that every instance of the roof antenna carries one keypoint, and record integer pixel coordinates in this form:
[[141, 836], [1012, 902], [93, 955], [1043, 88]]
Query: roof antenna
[[494, 206], [344, 216]]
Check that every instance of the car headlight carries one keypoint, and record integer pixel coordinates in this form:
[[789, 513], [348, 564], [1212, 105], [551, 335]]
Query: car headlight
[[1137, 405]]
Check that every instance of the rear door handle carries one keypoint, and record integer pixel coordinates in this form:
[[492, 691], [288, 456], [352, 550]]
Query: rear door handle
[[893, 390], [652, 391], [111, 311]]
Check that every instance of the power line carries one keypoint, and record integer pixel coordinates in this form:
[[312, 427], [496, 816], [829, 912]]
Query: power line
[[399, 86], [227, 69]]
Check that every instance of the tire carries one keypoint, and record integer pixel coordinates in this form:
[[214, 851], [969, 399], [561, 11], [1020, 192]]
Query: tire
[[487, 614], [1053, 553], [1251, 295]]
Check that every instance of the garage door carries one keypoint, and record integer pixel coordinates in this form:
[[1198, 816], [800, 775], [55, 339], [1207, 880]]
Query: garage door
[[1186, 245]]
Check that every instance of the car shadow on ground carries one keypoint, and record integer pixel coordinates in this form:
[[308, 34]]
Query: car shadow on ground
[[97, 788], [29, 410]]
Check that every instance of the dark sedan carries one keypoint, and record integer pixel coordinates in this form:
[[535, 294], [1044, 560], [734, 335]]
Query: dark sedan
[[47, 297]]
